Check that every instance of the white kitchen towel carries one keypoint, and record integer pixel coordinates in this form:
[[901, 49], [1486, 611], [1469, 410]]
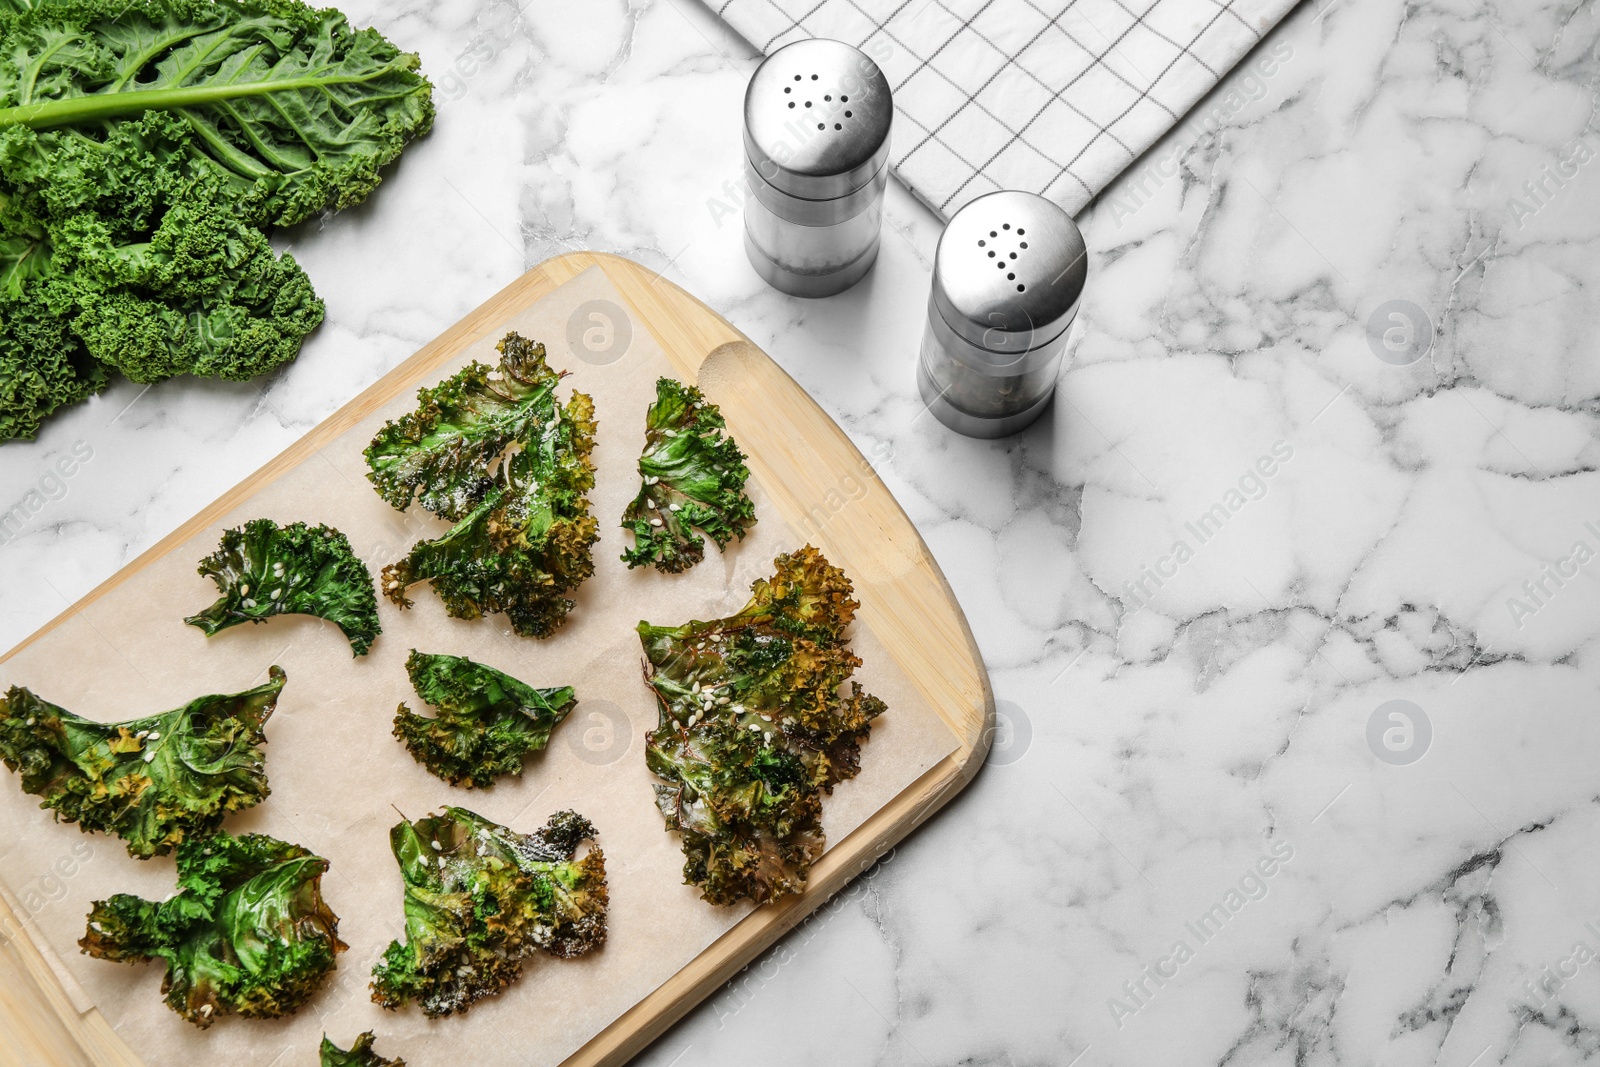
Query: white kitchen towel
[[1052, 96]]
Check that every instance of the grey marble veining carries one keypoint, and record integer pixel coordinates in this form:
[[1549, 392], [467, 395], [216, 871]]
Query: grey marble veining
[[1248, 526]]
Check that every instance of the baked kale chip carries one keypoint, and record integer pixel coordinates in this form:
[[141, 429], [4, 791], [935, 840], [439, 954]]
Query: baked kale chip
[[525, 536], [263, 569], [155, 782], [481, 897], [247, 931], [754, 729], [361, 1054], [693, 477], [485, 723], [441, 454]]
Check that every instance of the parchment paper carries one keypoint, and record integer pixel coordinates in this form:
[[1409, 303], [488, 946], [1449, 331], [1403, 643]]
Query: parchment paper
[[338, 776]]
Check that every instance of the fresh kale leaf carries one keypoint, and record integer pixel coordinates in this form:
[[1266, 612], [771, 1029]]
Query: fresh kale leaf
[[247, 931], [486, 721], [43, 364], [155, 782], [480, 898], [263, 569], [146, 146], [693, 477], [281, 100], [527, 540], [754, 729], [361, 1054], [204, 294]]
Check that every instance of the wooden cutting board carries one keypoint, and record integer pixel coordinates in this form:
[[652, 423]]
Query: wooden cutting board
[[800, 459]]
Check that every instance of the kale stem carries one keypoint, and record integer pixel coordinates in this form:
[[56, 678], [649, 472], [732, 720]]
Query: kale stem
[[71, 110]]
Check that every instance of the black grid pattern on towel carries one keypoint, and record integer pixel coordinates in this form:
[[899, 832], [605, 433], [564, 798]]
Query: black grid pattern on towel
[[1053, 96]]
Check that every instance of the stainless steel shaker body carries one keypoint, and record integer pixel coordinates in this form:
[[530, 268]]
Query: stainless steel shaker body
[[816, 136], [1007, 277]]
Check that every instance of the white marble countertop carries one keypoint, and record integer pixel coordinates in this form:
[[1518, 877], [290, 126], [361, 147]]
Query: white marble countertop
[[1186, 850]]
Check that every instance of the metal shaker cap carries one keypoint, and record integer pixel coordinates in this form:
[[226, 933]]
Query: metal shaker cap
[[816, 119], [1009, 272]]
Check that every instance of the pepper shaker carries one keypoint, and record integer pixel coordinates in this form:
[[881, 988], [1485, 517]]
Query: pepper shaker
[[816, 136], [1007, 277]]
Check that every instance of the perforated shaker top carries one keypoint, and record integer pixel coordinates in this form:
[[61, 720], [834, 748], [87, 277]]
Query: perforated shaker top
[[816, 119], [1009, 271]]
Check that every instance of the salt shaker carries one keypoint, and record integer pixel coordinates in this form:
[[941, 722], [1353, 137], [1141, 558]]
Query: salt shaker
[[816, 137], [1007, 277]]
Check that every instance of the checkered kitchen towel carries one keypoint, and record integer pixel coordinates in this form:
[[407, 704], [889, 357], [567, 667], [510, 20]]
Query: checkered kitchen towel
[[1052, 96]]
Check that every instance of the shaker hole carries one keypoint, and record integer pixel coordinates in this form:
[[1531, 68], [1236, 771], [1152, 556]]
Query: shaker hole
[[1022, 288], [788, 89], [837, 126], [1013, 255], [813, 77], [844, 100], [797, 77], [791, 103], [1011, 277], [847, 114], [808, 103], [1020, 232], [1005, 226], [828, 97], [991, 253], [982, 242], [993, 233], [1024, 244], [822, 125]]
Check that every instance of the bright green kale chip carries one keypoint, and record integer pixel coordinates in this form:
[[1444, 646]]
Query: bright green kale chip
[[361, 1054], [527, 539], [480, 898], [693, 477], [155, 782], [263, 569], [247, 931], [485, 723], [441, 453], [146, 148], [754, 729]]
